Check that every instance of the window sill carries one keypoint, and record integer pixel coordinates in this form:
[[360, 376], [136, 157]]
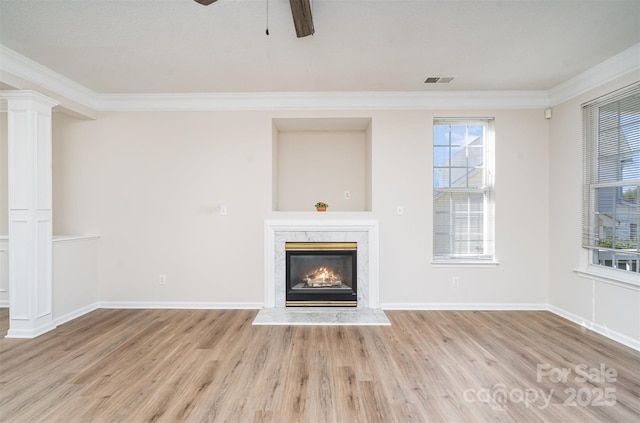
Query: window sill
[[611, 276], [464, 263]]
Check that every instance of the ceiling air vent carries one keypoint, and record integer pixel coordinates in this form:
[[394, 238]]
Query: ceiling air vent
[[438, 79]]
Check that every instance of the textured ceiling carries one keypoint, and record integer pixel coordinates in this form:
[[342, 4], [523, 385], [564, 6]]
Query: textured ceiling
[[179, 46]]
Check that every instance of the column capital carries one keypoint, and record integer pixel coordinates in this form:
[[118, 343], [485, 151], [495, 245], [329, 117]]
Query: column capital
[[20, 99]]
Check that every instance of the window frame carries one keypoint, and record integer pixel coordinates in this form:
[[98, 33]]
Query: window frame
[[594, 189], [487, 190]]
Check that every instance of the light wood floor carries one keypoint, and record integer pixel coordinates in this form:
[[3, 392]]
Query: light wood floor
[[213, 365]]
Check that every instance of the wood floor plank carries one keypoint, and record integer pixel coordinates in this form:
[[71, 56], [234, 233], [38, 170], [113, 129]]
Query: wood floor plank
[[376, 405], [296, 383], [272, 364], [214, 366], [348, 408]]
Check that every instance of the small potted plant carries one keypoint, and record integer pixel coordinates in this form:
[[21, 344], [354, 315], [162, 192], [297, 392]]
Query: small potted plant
[[321, 206]]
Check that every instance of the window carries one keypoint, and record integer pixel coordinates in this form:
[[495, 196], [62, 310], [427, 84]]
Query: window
[[612, 179], [463, 219]]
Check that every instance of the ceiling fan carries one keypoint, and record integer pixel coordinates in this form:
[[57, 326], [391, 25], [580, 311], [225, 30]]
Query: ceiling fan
[[301, 11]]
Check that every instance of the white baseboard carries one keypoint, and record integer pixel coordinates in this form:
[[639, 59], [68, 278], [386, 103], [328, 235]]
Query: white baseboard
[[180, 305], [75, 314], [30, 333], [596, 327], [464, 306], [4, 303]]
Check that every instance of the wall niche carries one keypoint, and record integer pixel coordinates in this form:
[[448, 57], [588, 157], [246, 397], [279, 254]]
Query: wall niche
[[321, 159]]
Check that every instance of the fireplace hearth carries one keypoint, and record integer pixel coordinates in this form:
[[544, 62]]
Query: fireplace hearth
[[321, 274]]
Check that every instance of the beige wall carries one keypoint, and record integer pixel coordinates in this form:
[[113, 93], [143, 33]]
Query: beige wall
[[75, 277], [402, 151], [610, 307], [320, 166], [151, 184]]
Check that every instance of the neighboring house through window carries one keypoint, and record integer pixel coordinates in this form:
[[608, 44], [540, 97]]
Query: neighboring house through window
[[463, 218], [612, 179]]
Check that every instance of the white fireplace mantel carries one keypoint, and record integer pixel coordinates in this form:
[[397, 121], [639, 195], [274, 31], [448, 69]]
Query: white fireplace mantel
[[279, 231]]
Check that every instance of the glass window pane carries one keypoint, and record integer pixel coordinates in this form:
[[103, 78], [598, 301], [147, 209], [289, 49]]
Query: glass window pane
[[612, 213], [618, 217], [441, 134], [459, 224], [475, 155], [459, 177], [459, 217], [609, 169], [440, 155]]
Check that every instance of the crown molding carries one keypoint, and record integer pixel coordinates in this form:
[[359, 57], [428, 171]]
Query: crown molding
[[621, 64], [24, 73], [15, 67], [323, 101]]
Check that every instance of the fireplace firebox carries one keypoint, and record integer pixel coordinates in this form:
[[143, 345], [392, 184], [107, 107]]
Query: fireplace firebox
[[321, 274]]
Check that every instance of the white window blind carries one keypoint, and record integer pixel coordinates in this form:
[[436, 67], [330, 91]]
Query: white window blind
[[611, 211], [463, 219]]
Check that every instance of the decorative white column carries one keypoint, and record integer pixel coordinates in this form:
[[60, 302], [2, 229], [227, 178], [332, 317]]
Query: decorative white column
[[30, 213]]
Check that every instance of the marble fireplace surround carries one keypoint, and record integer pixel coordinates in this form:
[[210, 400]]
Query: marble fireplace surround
[[364, 232], [280, 231]]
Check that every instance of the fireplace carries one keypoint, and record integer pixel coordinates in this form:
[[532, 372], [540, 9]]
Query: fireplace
[[321, 274], [364, 232]]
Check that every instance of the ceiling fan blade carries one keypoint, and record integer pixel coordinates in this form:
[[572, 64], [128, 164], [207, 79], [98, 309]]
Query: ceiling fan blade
[[302, 19], [205, 2]]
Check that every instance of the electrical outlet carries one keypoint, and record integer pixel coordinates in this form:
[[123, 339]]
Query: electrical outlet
[[162, 279], [455, 281], [347, 195]]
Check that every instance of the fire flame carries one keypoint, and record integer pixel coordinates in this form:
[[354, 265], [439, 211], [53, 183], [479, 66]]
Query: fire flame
[[323, 276]]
